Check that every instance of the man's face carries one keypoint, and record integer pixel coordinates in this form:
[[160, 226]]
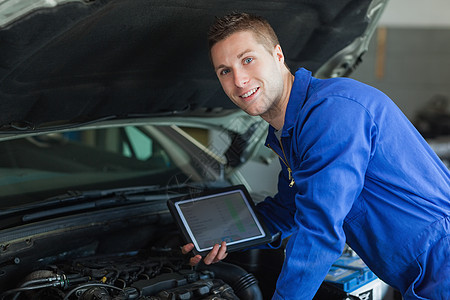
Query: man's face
[[250, 75]]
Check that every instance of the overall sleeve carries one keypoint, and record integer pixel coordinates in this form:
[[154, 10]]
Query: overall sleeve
[[331, 148], [279, 211]]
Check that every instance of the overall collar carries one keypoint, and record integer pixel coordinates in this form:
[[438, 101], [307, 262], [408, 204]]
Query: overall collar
[[296, 100]]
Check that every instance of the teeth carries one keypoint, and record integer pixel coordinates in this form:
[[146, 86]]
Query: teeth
[[249, 93]]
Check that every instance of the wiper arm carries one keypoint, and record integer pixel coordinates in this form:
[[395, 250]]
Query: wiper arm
[[75, 196], [82, 200], [110, 201], [106, 198]]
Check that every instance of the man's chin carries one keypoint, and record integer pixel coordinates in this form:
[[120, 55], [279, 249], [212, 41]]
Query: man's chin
[[251, 109], [253, 112]]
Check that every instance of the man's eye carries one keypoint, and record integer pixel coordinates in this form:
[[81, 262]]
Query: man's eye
[[248, 60], [224, 72]]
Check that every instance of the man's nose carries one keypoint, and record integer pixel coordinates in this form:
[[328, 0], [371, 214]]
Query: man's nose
[[240, 78]]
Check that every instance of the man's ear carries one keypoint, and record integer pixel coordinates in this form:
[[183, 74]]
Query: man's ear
[[278, 54]]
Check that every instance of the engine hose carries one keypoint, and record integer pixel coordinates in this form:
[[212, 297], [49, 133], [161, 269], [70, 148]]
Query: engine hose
[[244, 284]]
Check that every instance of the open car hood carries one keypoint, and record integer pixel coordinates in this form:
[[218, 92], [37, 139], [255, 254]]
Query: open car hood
[[69, 61]]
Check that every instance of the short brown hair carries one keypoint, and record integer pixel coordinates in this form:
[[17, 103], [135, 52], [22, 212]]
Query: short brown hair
[[227, 25]]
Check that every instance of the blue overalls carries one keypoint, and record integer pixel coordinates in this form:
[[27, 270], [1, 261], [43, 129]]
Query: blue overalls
[[356, 171]]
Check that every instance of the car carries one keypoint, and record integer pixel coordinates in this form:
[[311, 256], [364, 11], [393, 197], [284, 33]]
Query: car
[[108, 108]]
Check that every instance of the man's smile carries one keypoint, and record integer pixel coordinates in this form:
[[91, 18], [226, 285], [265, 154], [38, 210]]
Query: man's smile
[[249, 93]]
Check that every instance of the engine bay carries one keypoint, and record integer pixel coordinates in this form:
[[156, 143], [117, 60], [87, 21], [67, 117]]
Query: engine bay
[[123, 252], [149, 275]]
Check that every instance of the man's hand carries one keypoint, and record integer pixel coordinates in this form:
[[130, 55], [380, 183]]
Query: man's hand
[[217, 253]]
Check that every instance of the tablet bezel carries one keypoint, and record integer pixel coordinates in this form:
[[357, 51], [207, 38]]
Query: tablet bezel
[[202, 196]]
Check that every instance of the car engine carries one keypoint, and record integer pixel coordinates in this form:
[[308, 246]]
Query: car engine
[[153, 274], [121, 249], [130, 252]]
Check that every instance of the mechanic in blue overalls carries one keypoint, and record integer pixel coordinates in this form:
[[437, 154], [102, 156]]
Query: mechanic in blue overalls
[[354, 170]]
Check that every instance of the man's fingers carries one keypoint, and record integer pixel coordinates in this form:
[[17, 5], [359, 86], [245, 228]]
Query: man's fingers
[[217, 253], [219, 259], [221, 254], [222, 251], [195, 260], [211, 255], [187, 248]]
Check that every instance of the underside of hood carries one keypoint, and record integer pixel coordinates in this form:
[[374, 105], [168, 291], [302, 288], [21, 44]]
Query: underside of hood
[[84, 60]]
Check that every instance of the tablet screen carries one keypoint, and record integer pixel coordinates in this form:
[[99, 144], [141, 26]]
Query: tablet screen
[[223, 216]]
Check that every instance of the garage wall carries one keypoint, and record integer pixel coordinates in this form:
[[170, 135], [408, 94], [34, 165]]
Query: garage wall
[[416, 13], [411, 65]]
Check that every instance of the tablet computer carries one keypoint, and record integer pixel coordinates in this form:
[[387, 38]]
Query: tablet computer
[[226, 214]]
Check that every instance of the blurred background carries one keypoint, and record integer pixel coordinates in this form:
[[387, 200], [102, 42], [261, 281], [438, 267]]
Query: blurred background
[[409, 56]]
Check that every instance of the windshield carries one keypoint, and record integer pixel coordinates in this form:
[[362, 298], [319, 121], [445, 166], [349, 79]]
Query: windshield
[[42, 166]]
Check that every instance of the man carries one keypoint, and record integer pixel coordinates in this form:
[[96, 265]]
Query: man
[[354, 170]]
